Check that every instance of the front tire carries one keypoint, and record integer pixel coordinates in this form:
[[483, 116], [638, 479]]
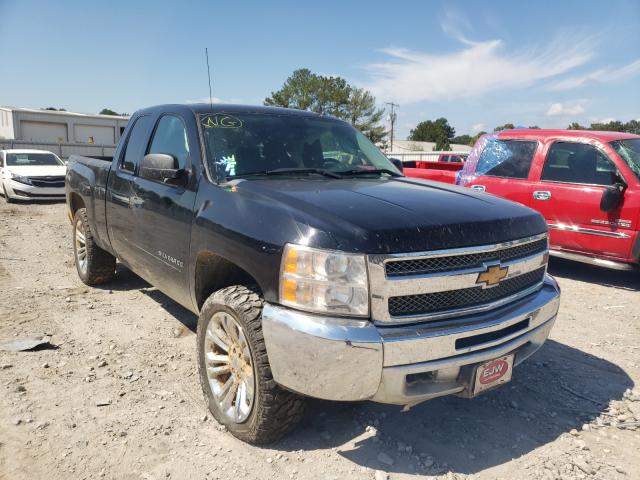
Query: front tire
[[234, 369], [94, 265]]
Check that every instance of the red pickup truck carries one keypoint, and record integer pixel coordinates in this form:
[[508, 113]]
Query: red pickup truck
[[585, 183], [444, 169]]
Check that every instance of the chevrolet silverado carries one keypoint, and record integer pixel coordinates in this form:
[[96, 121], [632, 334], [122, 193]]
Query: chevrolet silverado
[[314, 266]]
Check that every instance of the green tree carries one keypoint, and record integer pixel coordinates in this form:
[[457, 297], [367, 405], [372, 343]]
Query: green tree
[[108, 111], [364, 115], [506, 126], [614, 126], [462, 139], [438, 131], [306, 90], [475, 138], [632, 126]]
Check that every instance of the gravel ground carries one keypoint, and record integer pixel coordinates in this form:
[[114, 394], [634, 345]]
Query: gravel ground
[[118, 397]]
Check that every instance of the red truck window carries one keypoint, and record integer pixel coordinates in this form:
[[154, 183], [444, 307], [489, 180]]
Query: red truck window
[[570, 162], [506, 158]]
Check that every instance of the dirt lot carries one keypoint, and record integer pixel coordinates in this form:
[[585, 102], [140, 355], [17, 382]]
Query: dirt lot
[[131, 349]]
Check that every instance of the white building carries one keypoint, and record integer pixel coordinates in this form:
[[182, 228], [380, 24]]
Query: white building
[[64, 133]]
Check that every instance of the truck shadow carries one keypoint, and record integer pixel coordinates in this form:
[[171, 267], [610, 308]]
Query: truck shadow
[[126, 280], [626, 280], [558, 389]]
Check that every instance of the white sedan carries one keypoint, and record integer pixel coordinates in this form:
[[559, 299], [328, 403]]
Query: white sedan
[[31, 175]]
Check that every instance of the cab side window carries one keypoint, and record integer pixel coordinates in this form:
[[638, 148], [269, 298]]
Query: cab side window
[[570, 162], [170, 138], [136, 143], [506, 158]]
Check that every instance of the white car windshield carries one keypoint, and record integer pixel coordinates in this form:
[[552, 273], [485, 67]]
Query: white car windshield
[[32, 159]]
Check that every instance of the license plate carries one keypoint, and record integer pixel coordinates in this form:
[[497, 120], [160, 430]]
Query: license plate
[[493, 373]]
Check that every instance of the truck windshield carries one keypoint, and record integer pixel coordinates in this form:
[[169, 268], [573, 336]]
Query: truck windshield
[[255, 143], [629, 151], [32, 159]]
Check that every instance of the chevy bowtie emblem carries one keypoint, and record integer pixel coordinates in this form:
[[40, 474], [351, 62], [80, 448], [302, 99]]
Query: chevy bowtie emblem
[[492, 275]]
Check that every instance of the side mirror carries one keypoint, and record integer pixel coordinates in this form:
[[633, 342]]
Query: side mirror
[[160, 167], [398, 163], [612, 197]]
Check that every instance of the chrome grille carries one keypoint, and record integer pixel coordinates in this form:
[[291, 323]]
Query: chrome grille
[[464, 298], [460, 262], [433, 285]]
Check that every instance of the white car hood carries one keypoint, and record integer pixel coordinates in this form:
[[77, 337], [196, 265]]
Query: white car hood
[[38, 171]]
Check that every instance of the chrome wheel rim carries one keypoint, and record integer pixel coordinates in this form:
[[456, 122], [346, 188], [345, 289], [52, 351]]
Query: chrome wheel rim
[[229, 367], [81, 247]]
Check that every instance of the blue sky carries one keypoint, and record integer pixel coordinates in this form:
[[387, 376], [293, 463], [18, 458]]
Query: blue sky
[[479, 64]]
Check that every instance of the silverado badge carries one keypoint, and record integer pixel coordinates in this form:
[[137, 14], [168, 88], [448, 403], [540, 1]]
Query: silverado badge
[[492, 275]]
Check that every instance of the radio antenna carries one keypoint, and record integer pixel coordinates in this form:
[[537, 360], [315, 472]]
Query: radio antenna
[[206, 52]]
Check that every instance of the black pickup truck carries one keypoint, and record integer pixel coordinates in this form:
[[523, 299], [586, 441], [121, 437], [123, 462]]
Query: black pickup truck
[[314, 266]]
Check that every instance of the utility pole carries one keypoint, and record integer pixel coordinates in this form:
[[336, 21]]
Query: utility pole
[[392, 119]]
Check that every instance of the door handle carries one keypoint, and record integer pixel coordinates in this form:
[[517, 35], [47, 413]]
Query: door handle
[[541, 195], [479, 188]]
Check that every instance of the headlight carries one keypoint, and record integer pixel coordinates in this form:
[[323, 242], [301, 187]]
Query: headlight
[[324, 281], [19, 178]]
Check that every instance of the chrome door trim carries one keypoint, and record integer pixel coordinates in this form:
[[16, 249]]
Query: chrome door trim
[[587, 231], [600, 262]]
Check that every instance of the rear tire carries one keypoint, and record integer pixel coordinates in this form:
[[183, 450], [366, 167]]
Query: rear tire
[[94, 265], [236, 312]]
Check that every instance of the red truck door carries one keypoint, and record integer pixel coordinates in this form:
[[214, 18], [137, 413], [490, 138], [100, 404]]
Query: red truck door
[[503, 169], [573, 179]]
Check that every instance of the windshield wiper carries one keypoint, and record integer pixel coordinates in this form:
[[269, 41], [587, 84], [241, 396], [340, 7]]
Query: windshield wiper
[[365, 172], [285, 171]]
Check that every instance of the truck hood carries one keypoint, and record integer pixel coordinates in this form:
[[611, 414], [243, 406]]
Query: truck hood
[[397, 214], [39, 171]]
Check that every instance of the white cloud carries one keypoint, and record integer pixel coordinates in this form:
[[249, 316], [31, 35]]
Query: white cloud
[[566, 109], [598, 77], [478, 68], [478, 127]]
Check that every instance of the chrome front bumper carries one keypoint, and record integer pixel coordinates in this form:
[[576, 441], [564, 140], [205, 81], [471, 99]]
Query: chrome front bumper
[[347, 359]]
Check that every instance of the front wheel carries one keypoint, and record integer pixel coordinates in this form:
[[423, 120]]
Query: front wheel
[[94, 265], [234, 369]]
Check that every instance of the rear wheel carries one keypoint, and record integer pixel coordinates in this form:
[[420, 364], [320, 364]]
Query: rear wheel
[[234, 369], [94, 265]]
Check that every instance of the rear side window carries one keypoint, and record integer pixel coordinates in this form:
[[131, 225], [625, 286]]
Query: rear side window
[[506, 158], [170, 138], [136, 143], [570, 162]]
